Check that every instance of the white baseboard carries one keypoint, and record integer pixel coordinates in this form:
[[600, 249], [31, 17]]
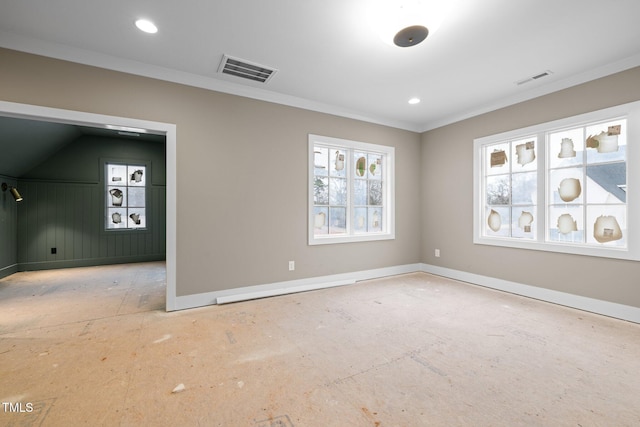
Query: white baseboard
[[606, 308], [287, 287]]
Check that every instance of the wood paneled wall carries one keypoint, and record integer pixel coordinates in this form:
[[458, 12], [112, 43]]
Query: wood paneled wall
[[64, 202], [69, 217]]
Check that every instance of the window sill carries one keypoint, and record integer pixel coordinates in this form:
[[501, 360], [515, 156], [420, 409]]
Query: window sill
[[330, 240], [566, 248]]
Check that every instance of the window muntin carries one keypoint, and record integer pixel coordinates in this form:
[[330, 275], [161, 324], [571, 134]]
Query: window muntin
[[351, 191], [125, 196], [573, 195]]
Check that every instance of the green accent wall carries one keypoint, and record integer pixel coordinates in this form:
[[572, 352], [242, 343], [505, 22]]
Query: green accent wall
[[63, 207]]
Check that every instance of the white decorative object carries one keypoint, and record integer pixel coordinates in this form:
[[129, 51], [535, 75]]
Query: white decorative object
[[566, 224], [526, 153], [494, 221], [320, 220], [603, 142], [114, 177], [116, 218], [569, 189], [608, 144], [525, 220], [315, 165], [606, 229], [339, 161], [135, 217], [566, 149], [137, 176], [116, 196]]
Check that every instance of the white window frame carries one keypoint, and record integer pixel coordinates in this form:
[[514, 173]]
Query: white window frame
[[388, 213], [631, 112]]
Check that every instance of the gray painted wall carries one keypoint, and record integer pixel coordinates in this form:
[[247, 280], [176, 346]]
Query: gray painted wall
[[8, 230], [242, 190], [447, 199], [241, 172], [64, 201]]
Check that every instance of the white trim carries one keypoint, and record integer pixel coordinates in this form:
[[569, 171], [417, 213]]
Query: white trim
[[606, 308], [282, 291], [288, 287], [34, 112]]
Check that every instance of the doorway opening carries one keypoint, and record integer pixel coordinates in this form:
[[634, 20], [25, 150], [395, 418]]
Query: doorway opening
[[123, 124]]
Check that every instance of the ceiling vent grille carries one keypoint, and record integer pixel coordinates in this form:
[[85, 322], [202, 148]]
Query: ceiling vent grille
[[535, 77], [245, 69]]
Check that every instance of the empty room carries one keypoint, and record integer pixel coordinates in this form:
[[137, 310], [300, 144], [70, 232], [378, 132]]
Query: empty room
[[334, 213]]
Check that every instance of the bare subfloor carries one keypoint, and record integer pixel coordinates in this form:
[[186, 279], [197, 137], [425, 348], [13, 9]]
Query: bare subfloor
[[93, 346]]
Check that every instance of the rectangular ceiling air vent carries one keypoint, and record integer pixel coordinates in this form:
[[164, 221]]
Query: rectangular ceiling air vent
[[535, 77], [245, 69]]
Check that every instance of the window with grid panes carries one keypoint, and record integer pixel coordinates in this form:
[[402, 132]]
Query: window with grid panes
[[562, 186], [125, 196], [511, 188], [350, 191], [588, 185]]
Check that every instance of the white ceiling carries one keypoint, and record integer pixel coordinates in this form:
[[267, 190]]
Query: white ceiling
[[329, 58]]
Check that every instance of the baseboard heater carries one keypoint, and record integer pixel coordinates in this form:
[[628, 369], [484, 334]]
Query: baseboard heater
[[281, 291]]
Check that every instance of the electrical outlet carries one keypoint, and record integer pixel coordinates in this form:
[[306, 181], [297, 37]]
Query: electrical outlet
[[292, 265], [437, 253], [54, 251]]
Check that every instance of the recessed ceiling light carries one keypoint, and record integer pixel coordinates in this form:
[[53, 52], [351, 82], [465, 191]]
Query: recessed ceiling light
[[146, 26], [414, 101]]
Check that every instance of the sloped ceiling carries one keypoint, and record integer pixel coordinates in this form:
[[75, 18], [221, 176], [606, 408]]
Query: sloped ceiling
[[24, 144]]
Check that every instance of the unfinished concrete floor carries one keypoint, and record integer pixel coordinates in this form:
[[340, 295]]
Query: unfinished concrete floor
[[93, 346]]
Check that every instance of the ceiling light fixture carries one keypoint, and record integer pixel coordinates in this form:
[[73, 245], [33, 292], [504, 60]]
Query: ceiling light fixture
[[407, 23], [414, 101], [411, 36], [123, 133], [125, 129], [146, 26]]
